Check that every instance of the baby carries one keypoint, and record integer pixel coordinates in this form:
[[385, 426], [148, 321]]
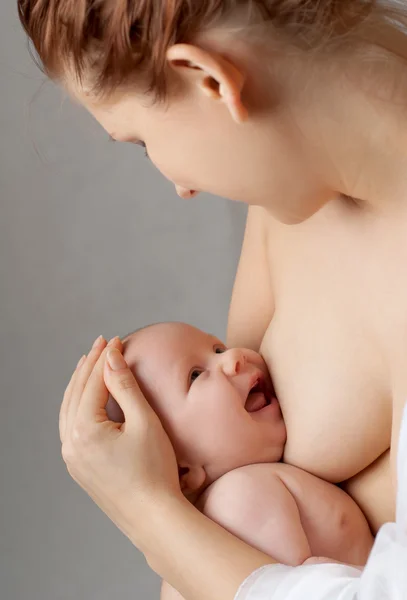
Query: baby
[[222, 416]]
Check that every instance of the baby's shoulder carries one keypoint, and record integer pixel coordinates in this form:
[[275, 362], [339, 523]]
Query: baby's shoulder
[[245, 499], [242, 476], [244, 484]]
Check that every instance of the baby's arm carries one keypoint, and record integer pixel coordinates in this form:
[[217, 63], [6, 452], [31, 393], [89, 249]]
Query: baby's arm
[[260, 511]]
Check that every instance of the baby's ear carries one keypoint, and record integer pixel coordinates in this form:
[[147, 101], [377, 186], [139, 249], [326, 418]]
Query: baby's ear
[[191, 478]]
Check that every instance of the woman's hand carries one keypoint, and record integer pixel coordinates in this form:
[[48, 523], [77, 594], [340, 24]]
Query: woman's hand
[[126, 468], [130, 471]]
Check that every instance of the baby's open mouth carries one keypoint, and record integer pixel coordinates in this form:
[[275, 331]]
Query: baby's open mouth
[[259, 397]]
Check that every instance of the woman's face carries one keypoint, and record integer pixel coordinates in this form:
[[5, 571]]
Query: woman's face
[[197, 144]]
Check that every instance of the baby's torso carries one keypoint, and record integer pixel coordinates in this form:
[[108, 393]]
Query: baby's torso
[[336, 344]]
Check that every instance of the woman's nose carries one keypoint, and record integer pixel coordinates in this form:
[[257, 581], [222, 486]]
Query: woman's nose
[[232, 361], [184, 193]]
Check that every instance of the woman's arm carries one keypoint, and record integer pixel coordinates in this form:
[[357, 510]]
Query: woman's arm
[[251, 307], [168, 592], [193, 554], [260, 511], [200, 564]]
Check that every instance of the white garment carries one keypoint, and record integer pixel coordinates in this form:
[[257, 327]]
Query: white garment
[[383, 578]]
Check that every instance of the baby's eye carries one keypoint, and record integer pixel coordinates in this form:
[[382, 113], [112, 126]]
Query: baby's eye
[[220, 349], [195, 374]]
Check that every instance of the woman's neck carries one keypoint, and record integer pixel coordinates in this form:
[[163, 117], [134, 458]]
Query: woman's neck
[[356, 128]]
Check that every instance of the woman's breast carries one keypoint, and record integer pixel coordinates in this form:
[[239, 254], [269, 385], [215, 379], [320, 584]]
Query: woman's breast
[[329, 381], [373, 491], [326, 351]]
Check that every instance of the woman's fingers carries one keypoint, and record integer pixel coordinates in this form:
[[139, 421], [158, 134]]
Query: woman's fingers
[[123, 386], [81, 379], [120, 467], [95, 395], [67, 398]]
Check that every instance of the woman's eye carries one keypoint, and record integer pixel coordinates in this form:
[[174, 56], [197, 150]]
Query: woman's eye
[[220, 349], [195, 374], [143, 145]]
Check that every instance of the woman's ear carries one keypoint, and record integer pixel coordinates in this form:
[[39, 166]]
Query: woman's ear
[[191, 479], [219, 78]]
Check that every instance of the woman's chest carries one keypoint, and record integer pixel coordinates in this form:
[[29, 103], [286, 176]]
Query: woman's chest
[[340, 310]]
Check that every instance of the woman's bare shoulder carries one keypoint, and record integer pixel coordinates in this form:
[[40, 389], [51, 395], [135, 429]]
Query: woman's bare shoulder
[[251, 307]]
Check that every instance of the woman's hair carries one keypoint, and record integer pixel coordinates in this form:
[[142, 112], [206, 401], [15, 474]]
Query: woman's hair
[[108, 41]]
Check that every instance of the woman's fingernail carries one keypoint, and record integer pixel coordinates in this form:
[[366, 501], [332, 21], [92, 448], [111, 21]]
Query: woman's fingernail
[[116, 360], [81, 361], [97, 342], [113, 340]]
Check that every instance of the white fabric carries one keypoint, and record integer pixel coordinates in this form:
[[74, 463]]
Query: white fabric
[[383, 578]]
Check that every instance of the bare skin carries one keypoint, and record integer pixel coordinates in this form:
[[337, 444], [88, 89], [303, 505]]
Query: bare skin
[[321, 288], [228, 440], [287, 513], [344, 265], [324, 299]]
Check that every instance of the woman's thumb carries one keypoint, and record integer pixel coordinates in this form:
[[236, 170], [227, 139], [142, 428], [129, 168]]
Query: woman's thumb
[[123, 386]]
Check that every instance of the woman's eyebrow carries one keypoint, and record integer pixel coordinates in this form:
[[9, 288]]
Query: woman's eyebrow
[[131, 140]]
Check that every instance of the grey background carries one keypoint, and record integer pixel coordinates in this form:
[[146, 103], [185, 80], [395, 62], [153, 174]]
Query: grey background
[[92, 240]]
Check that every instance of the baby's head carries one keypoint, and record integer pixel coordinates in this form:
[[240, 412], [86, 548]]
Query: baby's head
[[217, 405]]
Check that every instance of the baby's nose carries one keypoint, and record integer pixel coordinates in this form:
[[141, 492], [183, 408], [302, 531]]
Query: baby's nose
[[233, 361], [185, 193]]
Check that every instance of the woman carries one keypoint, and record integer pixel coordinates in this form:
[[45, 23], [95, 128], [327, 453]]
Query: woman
[[297, 107]]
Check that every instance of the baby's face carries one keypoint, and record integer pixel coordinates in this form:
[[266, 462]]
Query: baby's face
[[217, 405]]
